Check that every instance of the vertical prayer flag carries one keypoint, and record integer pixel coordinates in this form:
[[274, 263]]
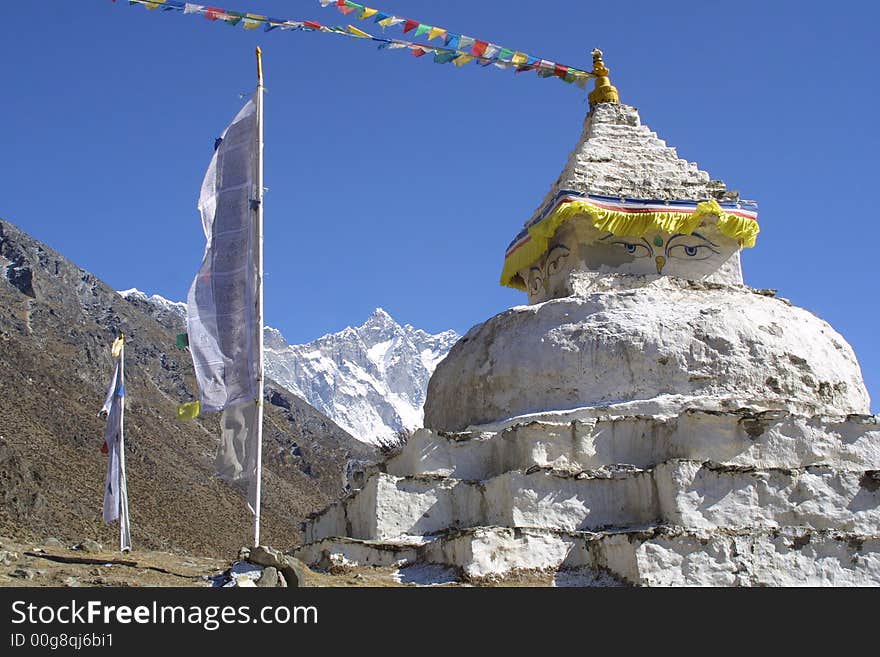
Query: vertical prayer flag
[[222, 301], [115, 486]]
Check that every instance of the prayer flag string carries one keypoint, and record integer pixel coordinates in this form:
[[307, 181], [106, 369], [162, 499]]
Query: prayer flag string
[[456, 48]]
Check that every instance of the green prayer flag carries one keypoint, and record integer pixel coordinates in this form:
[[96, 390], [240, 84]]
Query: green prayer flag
[[182, 340]]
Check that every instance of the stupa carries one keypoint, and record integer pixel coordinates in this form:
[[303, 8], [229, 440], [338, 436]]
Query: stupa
[[646, 419]]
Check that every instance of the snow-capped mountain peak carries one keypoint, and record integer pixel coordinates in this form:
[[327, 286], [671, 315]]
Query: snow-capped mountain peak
[[370, 379]]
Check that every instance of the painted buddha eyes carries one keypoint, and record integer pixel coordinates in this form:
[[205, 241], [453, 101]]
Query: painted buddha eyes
[[676, 247]]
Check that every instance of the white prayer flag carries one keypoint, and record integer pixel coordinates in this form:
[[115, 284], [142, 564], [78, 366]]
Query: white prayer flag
[[237, 455], [222, 302], [115, 487]]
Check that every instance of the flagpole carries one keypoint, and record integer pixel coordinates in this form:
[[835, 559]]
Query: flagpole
[[259, 246]]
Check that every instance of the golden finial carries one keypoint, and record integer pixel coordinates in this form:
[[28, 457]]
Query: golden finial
[[604, 92], [259, 65]]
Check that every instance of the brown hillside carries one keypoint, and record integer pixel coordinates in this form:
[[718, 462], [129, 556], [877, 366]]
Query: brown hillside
[[57, 322]]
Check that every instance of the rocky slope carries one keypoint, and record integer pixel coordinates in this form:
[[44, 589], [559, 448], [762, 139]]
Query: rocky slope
[[56, 324]]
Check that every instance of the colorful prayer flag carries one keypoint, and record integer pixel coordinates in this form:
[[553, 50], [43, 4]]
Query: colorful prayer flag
[[357, 32], [253, 21]]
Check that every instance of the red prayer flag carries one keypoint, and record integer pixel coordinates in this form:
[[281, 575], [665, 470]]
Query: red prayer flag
[[479, 48], [312, 24], [560, 71], [212, 13], [410, 25]]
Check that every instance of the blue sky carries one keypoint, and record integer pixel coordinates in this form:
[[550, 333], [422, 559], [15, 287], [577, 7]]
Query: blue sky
[[396, 182]]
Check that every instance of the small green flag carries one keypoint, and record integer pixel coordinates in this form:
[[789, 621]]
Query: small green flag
[[182, 340]]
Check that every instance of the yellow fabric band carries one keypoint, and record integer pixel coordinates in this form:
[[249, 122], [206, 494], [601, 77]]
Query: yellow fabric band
[[623, 224]]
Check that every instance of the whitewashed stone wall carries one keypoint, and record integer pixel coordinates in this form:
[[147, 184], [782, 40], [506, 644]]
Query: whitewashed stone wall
[[655, 349]]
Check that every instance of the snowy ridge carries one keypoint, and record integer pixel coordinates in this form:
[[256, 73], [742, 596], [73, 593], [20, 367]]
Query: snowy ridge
[[371, 380], [160, 303]]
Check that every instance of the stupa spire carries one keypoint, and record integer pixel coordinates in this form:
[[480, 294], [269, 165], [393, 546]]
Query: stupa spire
[[604, 91], [627, 204]]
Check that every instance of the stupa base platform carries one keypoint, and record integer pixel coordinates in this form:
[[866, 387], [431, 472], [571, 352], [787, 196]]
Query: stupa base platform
[[703, 498], [654, 556]]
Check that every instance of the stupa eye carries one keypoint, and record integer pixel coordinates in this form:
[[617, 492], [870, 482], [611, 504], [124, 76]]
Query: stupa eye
[[637, 250], [536, 283], [691, 252], [557, 255]]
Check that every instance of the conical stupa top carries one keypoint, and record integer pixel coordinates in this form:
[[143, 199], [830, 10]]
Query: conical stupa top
[[619, 156], [620, 160]]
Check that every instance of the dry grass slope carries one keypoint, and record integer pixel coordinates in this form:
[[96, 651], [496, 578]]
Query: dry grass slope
[[56, 324]]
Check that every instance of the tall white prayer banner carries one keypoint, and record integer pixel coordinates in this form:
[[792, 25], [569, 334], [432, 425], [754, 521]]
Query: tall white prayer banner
[[222, 313], [115, 486]]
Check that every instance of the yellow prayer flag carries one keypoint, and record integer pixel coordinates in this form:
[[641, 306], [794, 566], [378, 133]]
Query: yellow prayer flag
[[461, 60], [154, 4], [357, 32], [253, 21], [519, 58], [116, 349], [189, 411], [385, 22], [367, 13], [436, 32]]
